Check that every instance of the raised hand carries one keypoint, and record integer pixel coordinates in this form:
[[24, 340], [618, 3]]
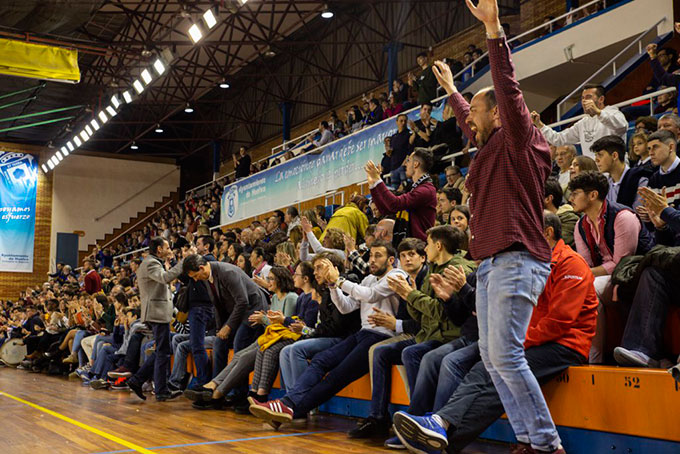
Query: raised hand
[[654, 202], [486, 11], [305, 224], [442, 72], [350, 243], [372, 172], [651, 50], [536, 118]]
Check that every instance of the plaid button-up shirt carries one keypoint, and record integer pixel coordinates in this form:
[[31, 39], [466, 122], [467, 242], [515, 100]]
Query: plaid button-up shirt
[[507, 175]]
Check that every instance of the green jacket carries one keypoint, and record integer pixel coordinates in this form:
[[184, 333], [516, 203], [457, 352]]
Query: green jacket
[[568, 218], [428, 310]]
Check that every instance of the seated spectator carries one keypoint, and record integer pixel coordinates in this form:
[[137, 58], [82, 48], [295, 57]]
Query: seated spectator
[[559, 336], [554, 203], [292, 218], [454, 178], [447, 199], [383, 231], [350, 218], [579, 165], [600, 121], [467, 61], [638, 154], [340, 365], [623, 181], [400, 91], [375, 114], [563, 157], [482, 62], [259, 264], [420, 201], [355, 119], [333, 242], [605, 234], [460, 219], [386, 161], [645, 124], [670, 122], [400, 144], [666, 102], [426, 83]]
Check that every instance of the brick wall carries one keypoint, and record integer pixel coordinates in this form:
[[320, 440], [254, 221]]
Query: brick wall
[[533, 12], [11, 284]]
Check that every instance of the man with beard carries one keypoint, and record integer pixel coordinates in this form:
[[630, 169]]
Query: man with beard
[[337, 367], [506, 177]]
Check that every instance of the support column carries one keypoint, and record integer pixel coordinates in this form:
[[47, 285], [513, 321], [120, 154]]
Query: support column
[[286, 107], [392, 48], [217, 158]]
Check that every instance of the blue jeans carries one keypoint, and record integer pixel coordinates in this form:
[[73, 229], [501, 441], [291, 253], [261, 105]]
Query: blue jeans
[[332, 370], [508, 287], [199, 316], [99, 341], [397, 176], [411, 357], [384, 357], [431, 385], [106, 360], [293, 358], [179, 365]]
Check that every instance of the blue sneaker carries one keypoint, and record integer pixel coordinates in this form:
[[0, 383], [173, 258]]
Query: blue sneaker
[[420, 434], [394, 443]]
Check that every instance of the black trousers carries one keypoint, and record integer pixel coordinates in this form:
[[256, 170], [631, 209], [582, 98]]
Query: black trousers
[[158, 364], [475, 404]]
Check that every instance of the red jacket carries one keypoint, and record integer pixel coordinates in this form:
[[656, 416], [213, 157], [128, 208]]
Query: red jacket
[[93, 282], [566, 312], [420, 202]]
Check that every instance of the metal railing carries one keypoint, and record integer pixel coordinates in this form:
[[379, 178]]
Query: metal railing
[[648, 96], [296, 140], [612, 62], [471, 66]]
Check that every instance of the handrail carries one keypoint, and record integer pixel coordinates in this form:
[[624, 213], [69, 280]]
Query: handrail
[[471, 66], [612, 61], [97, 219], [131, 252], [295, 140], [578, 117]]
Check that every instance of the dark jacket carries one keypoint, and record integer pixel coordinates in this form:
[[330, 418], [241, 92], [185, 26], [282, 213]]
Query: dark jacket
[[199, 291], [408, 325], [237, 295], [461, 305], [332, 323], [629, 184], [306, 309]]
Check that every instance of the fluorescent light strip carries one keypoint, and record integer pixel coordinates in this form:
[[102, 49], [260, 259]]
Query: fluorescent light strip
[[45, 169], [115, 101], [50, 164], [55, 161], [77, 141], [88, 130], [103, 117], [94, 124], [209, 19], [127, 97], [146, 76], [111, 111], [159, 66], [84, 136], [139, 88], [58, 155], [70, 146], [64, 151], [195, 33]]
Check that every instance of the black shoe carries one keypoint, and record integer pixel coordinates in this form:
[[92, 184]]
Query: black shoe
[[199, 394], [370, 428], [168, 396], [242, 407], [137, 388], [212, 404], [232, 399], [173, 388]]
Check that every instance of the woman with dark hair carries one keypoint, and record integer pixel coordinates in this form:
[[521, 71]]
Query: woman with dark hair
[[234, 250], [284, 301], [460, 218], [243, 262], [581, 164]]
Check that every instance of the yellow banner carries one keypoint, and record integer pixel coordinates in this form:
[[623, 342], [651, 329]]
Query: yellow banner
[[38, 61]]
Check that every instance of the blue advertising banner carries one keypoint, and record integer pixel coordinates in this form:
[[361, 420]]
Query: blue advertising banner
[[308, 176], [18, 187]]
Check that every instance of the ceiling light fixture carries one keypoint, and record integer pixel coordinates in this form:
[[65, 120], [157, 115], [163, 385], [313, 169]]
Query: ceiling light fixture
[[209, 19], [84, 135], [88, 130], [127, 96], [55, 161], [77, 141], [94, 124], [103, 117], [134, 146], [224, 85], [111, 111], [159, 130], [139, 88], [70, 146], [188, 109], [115, 101], [195, 33], [64, 151], [327, 13], [159, 66], [45, 169], [50, 164], [59, 155], [146, 76]]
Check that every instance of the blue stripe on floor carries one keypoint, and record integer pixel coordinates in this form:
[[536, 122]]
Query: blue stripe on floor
[[235, 440]]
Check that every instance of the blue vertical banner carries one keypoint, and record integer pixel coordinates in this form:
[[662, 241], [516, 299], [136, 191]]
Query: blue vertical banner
[[18, 188]]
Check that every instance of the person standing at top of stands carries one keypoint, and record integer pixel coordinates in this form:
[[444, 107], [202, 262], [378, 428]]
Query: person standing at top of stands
[[242, 163], [600, 121], [92, 281], [420, 201], [426, 84], [157, 309], [423, 128], [506, 177], [401, 146]]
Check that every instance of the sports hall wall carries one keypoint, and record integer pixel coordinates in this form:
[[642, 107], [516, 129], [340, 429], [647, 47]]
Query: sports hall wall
[[13, 283]]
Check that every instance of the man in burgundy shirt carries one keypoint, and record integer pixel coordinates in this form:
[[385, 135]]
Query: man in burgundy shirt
[[505, 182], [92, 281], [420, 201]]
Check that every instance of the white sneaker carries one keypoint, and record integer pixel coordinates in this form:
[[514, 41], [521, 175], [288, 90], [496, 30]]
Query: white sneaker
[[632, 358]]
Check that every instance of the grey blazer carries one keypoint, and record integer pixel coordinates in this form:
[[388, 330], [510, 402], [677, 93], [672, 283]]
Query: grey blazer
[[154, 291], [237, 295]]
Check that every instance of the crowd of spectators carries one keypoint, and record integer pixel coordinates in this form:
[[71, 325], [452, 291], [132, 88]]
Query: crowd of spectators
[[386, 279]]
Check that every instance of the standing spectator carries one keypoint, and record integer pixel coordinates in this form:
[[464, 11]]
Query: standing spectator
[[600, 121], [242, 163], [92, 280], [157, 310], [400, 91], [104, 257], [375, 113], [423, 128], [420, 201], [400, 143], [664, 66], [393, 107], [426, 83], [386, 161]]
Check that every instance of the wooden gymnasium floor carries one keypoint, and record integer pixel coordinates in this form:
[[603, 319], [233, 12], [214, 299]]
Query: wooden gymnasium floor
[[43, 414]]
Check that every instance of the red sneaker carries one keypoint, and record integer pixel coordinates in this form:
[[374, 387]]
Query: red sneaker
[[522, 448], [120, 384], [274, 410]]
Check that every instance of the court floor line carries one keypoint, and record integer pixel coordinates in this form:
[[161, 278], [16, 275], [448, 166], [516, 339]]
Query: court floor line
[[235, 440], [132, 447]]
